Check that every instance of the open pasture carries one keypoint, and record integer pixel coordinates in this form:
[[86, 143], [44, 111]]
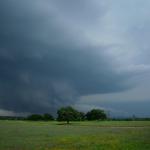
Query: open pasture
[[95, 135]]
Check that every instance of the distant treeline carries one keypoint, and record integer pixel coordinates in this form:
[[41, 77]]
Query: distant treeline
[[109, 119], [70, 114], [130, 119], [64, 114], [12, 118]]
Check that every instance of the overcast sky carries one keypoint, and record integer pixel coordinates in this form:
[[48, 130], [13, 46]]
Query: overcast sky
[[84, 53]]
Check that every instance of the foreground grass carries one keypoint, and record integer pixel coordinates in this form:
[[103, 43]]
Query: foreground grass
[[105, 135]]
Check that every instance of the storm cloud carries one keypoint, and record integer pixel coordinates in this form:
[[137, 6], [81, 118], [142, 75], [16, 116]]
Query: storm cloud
[[53, 52]]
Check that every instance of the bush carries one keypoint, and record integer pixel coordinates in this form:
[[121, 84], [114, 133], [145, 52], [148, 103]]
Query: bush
[[35, 117], [48, 117], [96, 114]]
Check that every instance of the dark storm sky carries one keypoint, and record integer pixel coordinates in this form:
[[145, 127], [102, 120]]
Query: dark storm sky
[[89, 54]]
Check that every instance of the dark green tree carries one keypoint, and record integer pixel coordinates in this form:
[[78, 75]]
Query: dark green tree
[[96, 114], [67, 114], [48, 117], [81, 116], [35, 117]]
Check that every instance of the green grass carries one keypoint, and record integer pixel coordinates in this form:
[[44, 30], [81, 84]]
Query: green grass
[[98, 135]]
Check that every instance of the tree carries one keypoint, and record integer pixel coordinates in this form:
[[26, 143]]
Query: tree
[[81, 116], [67, 114], [35, 117], [96, 114], [47, 117]]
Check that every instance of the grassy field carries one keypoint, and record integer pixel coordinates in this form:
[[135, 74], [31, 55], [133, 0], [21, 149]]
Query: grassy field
[[100, 135]]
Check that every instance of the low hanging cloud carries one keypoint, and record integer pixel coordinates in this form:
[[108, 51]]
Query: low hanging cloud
[[46, 57]]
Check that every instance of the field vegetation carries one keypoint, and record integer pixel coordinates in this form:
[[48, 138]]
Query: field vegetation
[[83, 135]]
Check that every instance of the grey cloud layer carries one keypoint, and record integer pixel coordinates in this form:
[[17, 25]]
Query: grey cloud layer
[[45, 59]]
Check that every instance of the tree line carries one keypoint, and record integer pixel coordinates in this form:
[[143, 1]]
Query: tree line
[[70, 114]]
